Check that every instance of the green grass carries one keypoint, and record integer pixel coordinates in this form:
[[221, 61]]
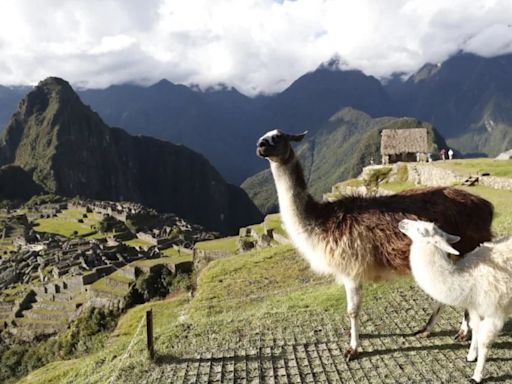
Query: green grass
[[502, 168], [225, 244], [137, 243], [397, 186], [65, 223], [273, 221], [236, 298], [100, 367], [101, 286], [502, 201], [164, 260]]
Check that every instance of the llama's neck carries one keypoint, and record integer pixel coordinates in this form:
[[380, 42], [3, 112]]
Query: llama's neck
[[291, 192], [438, 276]]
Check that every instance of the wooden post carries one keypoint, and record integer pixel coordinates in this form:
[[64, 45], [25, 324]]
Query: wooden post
[[149, 333]]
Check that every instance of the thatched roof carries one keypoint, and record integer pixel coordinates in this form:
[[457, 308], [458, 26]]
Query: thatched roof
[[396, 141]]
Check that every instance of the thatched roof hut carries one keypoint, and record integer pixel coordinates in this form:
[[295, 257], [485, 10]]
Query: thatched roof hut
[[403, 144]]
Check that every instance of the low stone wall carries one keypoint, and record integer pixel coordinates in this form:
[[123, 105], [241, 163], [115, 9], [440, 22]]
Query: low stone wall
[[101, 299], [75, 283], [53, 306], [203, 257], [129, 272], [428, 174], [281, 239], [496, 182]]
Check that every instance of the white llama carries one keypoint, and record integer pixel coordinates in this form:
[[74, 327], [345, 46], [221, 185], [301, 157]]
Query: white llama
[[481, 282]]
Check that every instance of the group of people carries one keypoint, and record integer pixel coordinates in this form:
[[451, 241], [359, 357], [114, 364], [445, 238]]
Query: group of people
[[444, 152]]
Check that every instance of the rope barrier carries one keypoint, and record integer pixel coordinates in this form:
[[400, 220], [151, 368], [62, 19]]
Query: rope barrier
[[125, 355]]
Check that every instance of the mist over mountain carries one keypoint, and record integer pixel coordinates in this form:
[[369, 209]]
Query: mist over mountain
[[69, 150]]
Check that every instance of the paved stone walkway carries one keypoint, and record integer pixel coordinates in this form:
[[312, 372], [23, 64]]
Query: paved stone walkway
[[312, 352]]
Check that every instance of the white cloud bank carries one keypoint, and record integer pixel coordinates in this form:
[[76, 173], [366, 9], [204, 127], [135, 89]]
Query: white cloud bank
[[256, 46]]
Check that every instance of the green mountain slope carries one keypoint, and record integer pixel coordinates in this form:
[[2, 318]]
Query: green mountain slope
[[337, 151], [70, 151]]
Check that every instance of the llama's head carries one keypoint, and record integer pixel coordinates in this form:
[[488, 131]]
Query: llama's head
[[425, 232], [276, 145]]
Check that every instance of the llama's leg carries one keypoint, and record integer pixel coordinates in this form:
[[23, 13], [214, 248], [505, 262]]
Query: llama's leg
[[488, 329], [427, 328], [353, 291], [464, 330], [474, 321]]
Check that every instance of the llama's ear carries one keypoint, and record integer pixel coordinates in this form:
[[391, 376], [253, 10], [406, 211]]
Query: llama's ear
[[441, 243], [298, 137], [451, 238]]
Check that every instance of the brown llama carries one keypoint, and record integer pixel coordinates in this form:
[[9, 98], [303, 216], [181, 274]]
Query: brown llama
[[356, 238]]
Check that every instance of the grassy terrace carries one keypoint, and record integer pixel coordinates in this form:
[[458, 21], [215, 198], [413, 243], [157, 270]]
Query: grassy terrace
[[136, 242], [238, 298], [66, 223], [102, 286], [502, 168], [225, 244], [170, 256]]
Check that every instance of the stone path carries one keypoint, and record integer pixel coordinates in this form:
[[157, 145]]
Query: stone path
[[313, 351]]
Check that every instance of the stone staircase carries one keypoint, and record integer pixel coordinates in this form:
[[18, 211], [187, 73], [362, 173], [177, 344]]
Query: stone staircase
[[471, 180]]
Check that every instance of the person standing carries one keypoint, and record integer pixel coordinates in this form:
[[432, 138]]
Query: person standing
[[443, 154], [450, 154]]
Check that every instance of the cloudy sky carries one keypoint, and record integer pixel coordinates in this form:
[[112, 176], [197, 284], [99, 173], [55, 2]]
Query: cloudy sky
[[256, 46]]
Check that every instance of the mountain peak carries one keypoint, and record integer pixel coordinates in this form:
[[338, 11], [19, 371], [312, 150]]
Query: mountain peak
[[53, 81], [49, 90], [163, 83]]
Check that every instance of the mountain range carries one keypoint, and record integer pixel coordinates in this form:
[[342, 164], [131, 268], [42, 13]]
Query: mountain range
[[467, 98], [68, 150]]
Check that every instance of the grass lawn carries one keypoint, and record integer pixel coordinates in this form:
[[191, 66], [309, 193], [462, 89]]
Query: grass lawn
[[224, 244], [502, 201], [172, 259], [397, 186], [273, 221], [65, 223], [468, 167], [137, 243], [238, 297], [102, 286]]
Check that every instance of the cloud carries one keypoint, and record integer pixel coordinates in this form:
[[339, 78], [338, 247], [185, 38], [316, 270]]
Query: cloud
[[254, 45]]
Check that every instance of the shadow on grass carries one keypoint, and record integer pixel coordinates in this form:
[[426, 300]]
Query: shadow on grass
[[498, 379], [449, 333], [164, 359]]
